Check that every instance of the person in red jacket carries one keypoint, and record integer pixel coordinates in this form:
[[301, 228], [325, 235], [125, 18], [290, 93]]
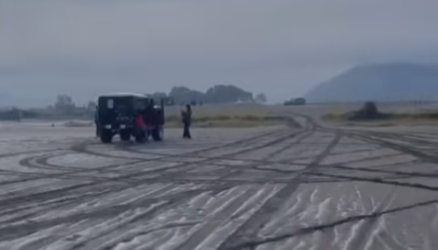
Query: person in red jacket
[[140, 123], [141, 127]]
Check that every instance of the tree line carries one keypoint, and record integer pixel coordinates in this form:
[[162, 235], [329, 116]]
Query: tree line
[[64, 105], [218, 94]]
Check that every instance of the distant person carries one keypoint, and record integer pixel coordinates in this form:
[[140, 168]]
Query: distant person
[[187, 120], [96, 121]]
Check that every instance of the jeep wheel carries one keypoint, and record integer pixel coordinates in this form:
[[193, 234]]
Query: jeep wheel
[[106, 136]]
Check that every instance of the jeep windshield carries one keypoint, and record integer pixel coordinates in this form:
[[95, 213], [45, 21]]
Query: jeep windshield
[[121, 105]]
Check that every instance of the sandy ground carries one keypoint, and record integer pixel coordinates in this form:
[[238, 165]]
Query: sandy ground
[[261, 188]]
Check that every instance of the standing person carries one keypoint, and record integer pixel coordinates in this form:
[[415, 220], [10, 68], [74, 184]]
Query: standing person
[[96, 121], [140, 122], [187, 120]]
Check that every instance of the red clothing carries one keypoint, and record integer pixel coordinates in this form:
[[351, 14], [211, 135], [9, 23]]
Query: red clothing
[[140, 122]]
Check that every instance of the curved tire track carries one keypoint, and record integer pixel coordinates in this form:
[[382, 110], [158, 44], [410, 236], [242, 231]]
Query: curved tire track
[[248, 231]]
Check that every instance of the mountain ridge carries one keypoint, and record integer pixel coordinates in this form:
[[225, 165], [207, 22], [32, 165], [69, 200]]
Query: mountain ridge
[[380, 82]]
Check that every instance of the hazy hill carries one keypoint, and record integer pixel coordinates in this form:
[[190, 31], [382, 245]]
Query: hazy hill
[[389, 82]]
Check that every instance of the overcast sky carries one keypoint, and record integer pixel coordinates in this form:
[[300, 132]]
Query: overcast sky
[[280, 47]]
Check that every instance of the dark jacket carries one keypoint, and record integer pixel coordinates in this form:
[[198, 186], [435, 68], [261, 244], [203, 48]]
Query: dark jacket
[[186, 116]]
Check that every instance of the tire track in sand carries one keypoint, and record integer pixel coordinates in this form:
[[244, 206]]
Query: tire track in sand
[[248, 231]]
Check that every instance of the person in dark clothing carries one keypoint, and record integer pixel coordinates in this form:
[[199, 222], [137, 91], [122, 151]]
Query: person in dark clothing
[[96, 121], [187, 120]]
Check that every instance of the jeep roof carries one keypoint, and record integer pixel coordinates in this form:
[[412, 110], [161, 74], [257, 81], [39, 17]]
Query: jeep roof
[[123, 94]]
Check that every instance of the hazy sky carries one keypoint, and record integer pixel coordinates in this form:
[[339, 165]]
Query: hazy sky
[[280, 47]]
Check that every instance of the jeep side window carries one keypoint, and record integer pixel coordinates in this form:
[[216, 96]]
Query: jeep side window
[[110, 103], [140, 104]]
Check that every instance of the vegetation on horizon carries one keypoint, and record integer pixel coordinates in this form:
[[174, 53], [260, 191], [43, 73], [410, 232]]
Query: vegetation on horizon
[[225, 115]]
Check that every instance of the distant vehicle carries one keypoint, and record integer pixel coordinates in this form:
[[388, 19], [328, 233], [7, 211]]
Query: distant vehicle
[[296, 102], [119, 113]]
